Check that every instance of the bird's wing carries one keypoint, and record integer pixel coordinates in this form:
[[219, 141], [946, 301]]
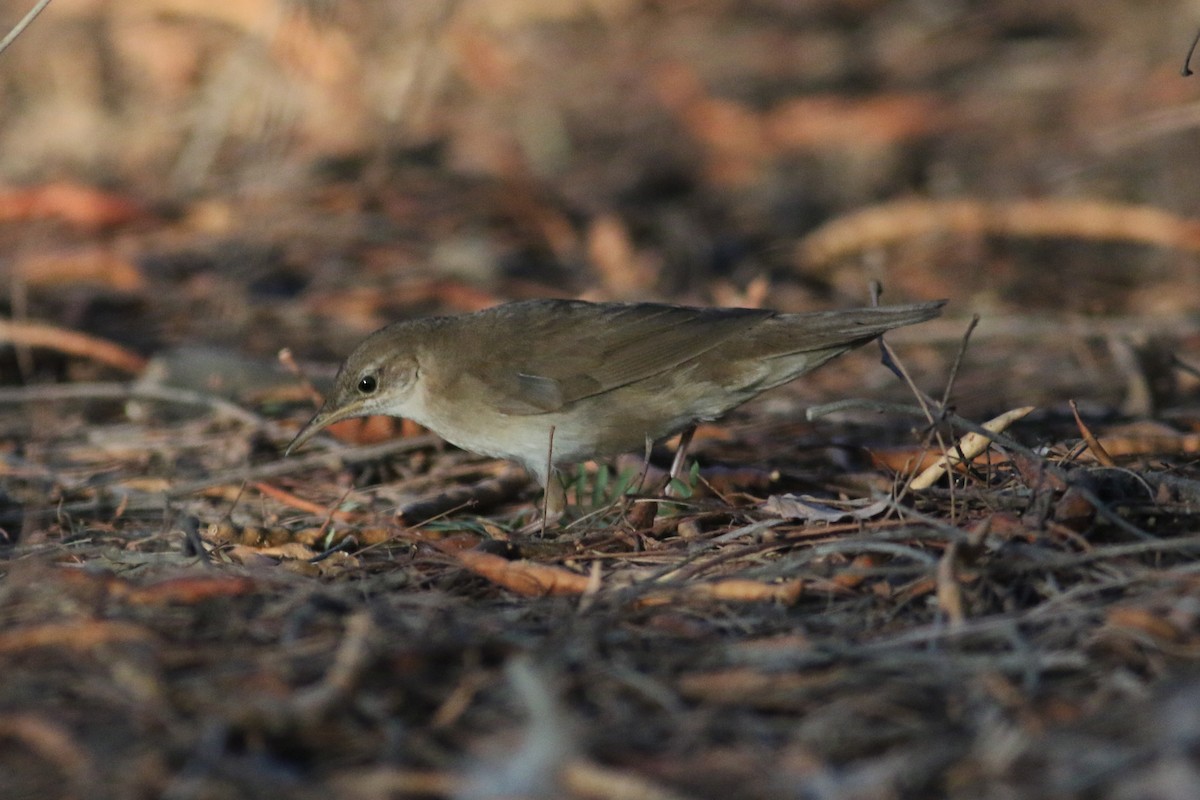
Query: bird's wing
[[583, 349]]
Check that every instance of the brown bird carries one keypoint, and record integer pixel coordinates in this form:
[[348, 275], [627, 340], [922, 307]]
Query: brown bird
[[600, 378]]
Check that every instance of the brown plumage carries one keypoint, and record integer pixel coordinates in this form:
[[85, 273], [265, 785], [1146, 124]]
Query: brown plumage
[[605, 376]]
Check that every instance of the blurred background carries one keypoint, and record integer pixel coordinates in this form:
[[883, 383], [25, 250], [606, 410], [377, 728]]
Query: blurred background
[[261, 173]]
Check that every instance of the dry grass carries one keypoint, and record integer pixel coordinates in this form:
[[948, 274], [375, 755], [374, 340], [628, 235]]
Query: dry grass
[[192, 187], [967, 641]]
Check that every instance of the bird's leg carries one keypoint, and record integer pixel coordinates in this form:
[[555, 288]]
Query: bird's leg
[[554, 503], [554, 500], [641, 478], [685, 439], [552, 508]]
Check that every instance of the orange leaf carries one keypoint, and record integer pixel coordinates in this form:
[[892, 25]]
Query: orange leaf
[[82, 206], [369, 430], [73, 635], [1143, 621], [807, 123], [33, 334], [523, 577], [95, 265], [188, 590]]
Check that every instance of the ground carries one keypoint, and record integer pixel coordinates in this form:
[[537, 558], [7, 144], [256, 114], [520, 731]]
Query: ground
[[190, 189]]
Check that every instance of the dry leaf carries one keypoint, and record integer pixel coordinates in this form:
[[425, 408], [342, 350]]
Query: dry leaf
[[95, 265], [526, 578], [810, 509], [82, 206]]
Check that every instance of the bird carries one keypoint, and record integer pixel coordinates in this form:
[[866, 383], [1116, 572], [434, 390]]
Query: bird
[[550, 382]]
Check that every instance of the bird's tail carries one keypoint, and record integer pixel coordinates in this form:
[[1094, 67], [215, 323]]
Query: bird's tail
[[841, 330]]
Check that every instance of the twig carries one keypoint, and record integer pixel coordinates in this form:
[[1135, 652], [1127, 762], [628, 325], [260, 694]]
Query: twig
[[958, 359], [1154, 545], [584, 778], [1186, 71], [899, 409], [20, 27], [286, 466], [903, 220], [52, 743], [241, 492], [75, 343], [289, 363], [1183, 366], [677, 464], [191, 535], [892, 362], [968, 447], [999, 438], [131, 391], [1110, 516], [290, 500], [549, 477], [487, 492], [346, 545], [1093, 443], [348, 663]]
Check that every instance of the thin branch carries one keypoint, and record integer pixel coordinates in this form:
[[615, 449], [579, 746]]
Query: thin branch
[[20, 27], [958, 359]]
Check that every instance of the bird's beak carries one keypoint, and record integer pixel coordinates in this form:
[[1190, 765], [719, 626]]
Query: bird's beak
[[323, 419]]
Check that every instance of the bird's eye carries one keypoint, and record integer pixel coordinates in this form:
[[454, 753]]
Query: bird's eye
[[367, 384]]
